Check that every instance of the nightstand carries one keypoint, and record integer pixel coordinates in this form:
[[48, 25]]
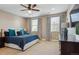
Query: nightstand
[[2, 42]]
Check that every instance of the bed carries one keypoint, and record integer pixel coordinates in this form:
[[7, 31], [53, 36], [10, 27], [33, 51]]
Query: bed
[[21, 42]]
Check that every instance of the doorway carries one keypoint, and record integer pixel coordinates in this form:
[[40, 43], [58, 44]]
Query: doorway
[[55, 28]]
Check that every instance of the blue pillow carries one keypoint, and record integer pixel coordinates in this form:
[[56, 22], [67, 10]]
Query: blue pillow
[[26, 32], [19, 33], [22, 32], [12, 32]]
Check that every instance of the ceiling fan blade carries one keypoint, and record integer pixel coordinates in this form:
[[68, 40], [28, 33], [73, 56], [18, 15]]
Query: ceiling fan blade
[[23, 5], [35, 9], [34, 5], [23, 10], [29, 6]]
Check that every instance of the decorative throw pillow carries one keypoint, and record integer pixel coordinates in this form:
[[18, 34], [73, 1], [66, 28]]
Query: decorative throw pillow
[[12, 32], [6, 33], [22, 32], [19, 33], [25, 32]]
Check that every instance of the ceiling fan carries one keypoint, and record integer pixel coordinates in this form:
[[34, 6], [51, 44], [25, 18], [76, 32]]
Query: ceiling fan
[[29, 7]]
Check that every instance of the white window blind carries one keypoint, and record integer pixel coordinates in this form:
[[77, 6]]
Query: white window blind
[[35, 25]]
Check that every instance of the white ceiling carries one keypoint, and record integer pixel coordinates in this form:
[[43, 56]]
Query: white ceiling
[[44, 9]]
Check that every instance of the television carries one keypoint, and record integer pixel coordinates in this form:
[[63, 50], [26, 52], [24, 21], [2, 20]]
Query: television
[[74, 17]]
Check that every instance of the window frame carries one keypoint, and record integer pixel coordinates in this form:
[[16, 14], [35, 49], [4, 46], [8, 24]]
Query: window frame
[[54, 24], [34, 25]]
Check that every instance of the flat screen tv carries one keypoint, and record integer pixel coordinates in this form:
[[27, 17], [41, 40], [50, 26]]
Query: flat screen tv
[[74, 17]]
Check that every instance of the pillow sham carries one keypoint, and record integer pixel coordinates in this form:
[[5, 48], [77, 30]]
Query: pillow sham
[[19, 33], [12, 32], [22, 32], [6, 33]]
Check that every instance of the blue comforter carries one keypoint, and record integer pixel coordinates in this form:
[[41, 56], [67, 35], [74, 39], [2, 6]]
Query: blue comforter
[[21, 40]]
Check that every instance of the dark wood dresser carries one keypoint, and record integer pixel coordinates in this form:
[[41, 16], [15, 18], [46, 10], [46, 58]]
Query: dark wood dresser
[[2, 42], [69, 47]]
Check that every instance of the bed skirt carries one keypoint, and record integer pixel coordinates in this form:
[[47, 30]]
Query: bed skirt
[[11, 45]]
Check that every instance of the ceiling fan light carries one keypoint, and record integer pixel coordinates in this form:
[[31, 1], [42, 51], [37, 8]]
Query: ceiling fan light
[[29, 11]]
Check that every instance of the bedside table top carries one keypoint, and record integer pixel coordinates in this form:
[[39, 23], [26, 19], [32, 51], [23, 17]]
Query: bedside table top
[[3, 39]]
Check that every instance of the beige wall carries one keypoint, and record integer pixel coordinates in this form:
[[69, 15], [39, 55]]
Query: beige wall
[[43, 27], [8, 20]]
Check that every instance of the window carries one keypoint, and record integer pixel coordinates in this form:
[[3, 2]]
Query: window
[[55, 22], [35, 25]]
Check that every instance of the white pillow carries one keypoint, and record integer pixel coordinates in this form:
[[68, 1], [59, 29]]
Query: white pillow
[[72, 30]]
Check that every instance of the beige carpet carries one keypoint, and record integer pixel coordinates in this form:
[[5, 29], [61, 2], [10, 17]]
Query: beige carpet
[[41, 48]]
